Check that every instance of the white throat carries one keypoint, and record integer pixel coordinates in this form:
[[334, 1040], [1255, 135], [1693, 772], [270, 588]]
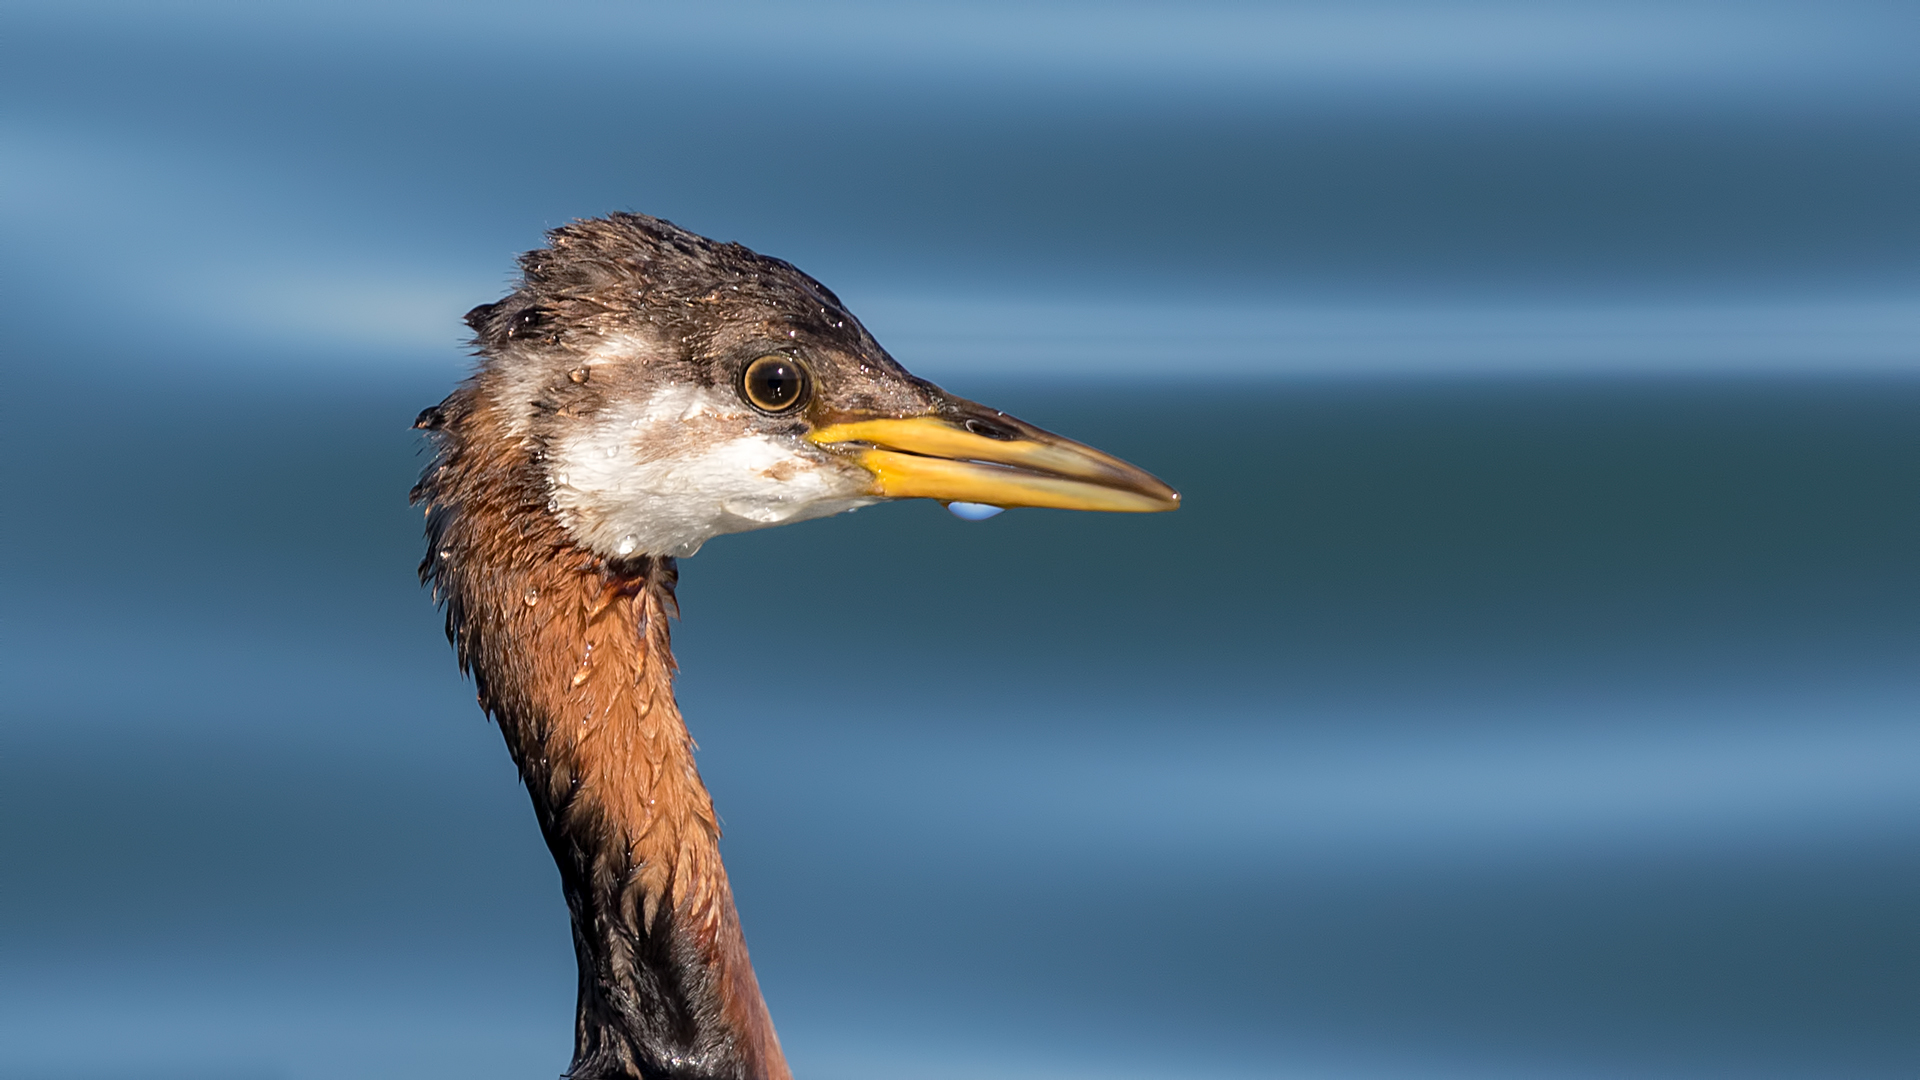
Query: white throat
[[663, 476]]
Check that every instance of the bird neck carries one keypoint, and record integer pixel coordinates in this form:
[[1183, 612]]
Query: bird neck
[[570, 655]]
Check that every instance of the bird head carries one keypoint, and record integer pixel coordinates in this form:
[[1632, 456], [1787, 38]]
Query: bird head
[[669, 389]]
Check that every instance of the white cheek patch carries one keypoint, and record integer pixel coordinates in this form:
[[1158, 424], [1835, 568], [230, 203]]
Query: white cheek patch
[[665, 475]]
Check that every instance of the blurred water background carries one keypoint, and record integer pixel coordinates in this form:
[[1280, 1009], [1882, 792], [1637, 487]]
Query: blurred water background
[[1528, 688]]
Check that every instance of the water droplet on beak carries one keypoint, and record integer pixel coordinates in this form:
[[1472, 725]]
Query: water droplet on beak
[[967, 511]]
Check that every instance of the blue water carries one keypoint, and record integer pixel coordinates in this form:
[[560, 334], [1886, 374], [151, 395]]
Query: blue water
[[1527, 687], [343, 175], [1467, 728]]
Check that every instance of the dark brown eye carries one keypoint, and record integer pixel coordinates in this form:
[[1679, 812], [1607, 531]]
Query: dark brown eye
[[774, 384]]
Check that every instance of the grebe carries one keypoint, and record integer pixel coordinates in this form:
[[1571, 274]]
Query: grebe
[[641, 391]]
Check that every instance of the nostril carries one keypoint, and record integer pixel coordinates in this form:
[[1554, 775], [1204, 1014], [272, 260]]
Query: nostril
[[987, 429]]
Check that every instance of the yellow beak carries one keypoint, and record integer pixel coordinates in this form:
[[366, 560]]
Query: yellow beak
[[994, 459]]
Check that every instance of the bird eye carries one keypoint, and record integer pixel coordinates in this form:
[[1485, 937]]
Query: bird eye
[[774, 384]]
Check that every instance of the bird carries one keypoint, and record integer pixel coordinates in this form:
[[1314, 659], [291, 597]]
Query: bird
[[642, 390]]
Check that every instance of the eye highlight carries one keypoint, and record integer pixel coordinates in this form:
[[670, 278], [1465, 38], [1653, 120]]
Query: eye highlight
[[775, 384]]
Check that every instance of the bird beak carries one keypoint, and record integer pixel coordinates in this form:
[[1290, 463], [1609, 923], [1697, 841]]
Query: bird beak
[[963, 452]]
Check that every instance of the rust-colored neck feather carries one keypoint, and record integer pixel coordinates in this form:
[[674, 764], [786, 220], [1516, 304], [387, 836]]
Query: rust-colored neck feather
[[570, 654]]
